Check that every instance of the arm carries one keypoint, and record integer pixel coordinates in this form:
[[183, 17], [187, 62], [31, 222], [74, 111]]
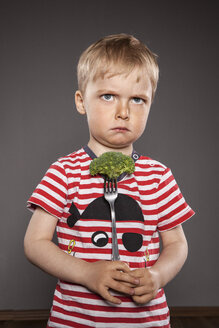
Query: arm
[[99, 276], [170, 262]]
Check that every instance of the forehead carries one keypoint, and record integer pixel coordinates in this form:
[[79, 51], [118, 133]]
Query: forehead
[[109, 71], [136, 80]]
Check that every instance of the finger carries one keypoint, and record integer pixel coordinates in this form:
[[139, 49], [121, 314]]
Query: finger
[[121, 266], [138, 273], [110, 298], [128, 284], [142, 299], [125, 277], [142, 290], [122, 288]]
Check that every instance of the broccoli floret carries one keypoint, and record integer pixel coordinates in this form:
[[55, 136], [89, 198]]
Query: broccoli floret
[[112, 164]]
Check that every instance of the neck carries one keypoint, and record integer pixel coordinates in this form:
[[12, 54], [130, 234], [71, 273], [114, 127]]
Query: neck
[[100, 149]]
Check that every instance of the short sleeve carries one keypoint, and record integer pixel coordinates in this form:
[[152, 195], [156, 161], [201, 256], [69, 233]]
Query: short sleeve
[[171, 205], [51, 192]]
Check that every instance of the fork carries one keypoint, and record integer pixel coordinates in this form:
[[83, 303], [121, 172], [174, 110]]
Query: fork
[[110, 194]]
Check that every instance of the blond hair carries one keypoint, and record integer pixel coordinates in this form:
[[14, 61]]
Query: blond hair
[[118, 54]]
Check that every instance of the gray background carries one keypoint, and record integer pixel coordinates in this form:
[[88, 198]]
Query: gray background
[[40, 44]]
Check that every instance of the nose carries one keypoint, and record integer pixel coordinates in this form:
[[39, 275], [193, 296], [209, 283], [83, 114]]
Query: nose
[[122, 110]]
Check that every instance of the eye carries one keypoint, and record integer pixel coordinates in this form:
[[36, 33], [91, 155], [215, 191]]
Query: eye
[[100, 238], [107, 97], [138, 100]]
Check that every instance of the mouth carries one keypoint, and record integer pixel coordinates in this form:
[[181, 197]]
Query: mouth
[[120, 129]]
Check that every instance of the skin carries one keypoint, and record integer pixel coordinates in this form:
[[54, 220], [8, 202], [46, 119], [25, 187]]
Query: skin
[[117, 108]]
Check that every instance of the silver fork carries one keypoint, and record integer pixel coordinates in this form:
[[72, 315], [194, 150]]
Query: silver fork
[[110, 194]]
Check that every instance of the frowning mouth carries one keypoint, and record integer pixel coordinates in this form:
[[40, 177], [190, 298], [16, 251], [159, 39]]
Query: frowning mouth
[[120, 129]]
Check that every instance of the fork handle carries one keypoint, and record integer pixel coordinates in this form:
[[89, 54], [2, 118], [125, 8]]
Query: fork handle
[[115, 249]]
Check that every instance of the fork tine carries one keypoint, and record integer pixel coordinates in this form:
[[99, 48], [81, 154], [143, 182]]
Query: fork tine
[[107, 184], [105, 178], [115, 185], [110, 185]]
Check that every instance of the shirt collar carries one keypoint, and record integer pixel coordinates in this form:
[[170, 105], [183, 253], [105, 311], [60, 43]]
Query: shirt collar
[[135, 155]]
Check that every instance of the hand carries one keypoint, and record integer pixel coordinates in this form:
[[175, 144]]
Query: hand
[[104, 275], [148, 286]]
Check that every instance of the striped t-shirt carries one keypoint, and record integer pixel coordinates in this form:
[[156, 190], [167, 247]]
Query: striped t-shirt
[[149, 201]]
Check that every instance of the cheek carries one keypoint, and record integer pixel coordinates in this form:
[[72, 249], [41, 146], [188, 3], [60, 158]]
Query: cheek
[[96, 113], [141, 123], [92, 116], [96, 121]]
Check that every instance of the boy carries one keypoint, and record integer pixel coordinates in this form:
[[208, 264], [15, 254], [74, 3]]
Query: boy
[[117, 79]]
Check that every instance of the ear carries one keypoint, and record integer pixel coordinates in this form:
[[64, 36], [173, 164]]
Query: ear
[[79, 102]]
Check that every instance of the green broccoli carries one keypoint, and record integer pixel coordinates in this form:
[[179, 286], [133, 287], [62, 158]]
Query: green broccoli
[[112, 164]]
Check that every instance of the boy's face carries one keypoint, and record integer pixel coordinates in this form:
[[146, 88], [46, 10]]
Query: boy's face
[[117, 108]]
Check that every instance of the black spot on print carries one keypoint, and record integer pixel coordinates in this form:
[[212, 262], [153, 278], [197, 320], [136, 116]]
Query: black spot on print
[[132, 241]]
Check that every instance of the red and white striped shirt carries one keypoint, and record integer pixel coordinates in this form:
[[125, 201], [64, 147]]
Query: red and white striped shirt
[[149, 201]]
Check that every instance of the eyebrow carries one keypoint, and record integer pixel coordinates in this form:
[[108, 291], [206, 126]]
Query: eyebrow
[[141, 95], [135, 95], [106, 91]]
